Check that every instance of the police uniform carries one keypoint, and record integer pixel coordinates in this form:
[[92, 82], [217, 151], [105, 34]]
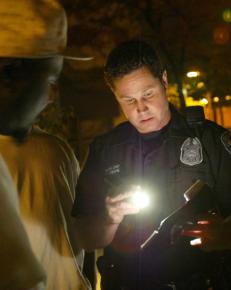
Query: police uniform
[[166, 163]]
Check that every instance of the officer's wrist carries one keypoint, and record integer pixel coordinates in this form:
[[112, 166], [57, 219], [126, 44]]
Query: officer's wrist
[[111, 221]]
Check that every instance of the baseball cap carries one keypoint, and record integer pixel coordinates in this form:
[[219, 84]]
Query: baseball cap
[[33, 29]]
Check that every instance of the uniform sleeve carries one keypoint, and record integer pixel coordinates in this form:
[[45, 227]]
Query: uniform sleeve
[[19, 268], [223, 182], [89, 197]]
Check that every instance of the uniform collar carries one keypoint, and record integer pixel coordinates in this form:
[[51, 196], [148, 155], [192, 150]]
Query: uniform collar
[[178, 124]]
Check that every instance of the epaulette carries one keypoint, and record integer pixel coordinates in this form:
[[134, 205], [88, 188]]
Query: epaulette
[[195, 116]]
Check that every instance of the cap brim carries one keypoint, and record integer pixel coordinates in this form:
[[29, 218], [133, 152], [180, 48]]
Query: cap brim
[[68, 57]]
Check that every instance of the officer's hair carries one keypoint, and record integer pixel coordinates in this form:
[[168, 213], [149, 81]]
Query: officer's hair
[[129, 56]]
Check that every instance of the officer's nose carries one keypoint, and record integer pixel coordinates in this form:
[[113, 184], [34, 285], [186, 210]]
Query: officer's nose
[[141, 107]]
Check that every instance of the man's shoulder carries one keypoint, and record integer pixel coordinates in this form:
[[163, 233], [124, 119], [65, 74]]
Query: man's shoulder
[[214, 128], [50, 141], [38, 133], [122, 133]]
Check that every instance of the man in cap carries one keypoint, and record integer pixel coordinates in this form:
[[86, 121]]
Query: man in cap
[[43, 167]]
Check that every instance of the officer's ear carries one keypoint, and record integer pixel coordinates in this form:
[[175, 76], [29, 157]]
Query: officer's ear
[[165, 79]]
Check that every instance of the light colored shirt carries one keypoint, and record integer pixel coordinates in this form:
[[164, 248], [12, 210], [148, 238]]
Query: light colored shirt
[[45, 173], [19, 269]]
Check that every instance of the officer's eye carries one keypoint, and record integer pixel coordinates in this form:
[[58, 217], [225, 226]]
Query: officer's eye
[[128, 100], [148, 95]]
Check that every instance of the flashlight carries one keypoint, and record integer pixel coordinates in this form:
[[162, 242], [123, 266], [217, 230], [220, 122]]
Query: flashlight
[[139, 197]]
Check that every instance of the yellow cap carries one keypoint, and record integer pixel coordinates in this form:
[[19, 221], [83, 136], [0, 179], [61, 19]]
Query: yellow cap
[[32, 29]]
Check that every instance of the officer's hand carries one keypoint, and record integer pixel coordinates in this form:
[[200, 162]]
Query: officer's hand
[[211, 233], [118, 206]]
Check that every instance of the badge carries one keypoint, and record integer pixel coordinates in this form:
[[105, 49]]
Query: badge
[[191, 152], [226, 141]]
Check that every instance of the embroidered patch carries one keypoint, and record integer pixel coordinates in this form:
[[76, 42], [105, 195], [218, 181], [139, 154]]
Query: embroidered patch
[[191, 152], [114, 169], [226, 141]]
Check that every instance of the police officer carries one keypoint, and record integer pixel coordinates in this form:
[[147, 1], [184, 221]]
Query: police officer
[[157, 149]]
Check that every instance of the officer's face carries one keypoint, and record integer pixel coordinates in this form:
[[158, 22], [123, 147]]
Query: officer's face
[[25, 87], [143, 100]]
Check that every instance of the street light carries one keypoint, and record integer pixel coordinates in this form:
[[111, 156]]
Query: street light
[[204, 101], [216, 99], [193, 74]]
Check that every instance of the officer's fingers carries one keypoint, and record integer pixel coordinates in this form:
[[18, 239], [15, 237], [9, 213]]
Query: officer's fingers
[[120, 197], [124, 208], [128, 208], [117, 211], [131, 211], [114, 213]]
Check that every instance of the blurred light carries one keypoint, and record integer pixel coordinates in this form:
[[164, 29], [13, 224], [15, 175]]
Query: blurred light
[[140, 198], [216, 99], [221, 35], [184, 90], [193, 74], [204, 101], [196, 242], [200, 85], [227, 98], [226, 15]]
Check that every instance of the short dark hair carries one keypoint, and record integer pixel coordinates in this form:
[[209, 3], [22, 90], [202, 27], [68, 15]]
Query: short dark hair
[[129, 56]]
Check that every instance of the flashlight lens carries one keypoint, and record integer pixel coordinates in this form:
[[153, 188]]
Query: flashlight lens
[[140, 199]]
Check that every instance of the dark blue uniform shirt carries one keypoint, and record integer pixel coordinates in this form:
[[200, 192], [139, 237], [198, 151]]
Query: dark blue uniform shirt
[[162, 163]]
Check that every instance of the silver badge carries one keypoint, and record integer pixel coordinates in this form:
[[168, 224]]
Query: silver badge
[[191, 152]]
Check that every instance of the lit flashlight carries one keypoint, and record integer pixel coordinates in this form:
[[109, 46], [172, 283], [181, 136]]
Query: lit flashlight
[[139, 198]]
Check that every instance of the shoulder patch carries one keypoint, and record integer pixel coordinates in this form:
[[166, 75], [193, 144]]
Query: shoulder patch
[[226, 141]]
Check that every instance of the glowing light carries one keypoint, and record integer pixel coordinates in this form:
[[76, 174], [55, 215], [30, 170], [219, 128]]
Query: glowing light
[[196, 242], [226, 15], [216, 99], [185, 91], [227, 98], [200, 85], [193, 74], [221, 35], [140, 198], [204, 101]]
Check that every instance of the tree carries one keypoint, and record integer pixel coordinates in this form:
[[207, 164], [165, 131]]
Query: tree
[[182, 31]]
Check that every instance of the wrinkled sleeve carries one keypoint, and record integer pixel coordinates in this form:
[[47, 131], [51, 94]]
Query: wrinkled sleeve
[[19, 268], [89, 197], [223, 181]]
